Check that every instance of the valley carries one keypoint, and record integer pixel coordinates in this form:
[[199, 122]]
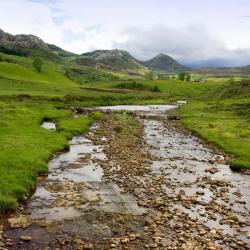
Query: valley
[[169, 169]]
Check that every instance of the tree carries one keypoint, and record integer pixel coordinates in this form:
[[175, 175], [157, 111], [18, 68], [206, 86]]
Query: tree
[[37, 64], [150, 75], [181, 76], [1, 59], [188, 77]]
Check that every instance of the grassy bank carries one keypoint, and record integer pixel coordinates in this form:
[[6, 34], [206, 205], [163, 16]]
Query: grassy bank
[[26, 147], [223, 118]]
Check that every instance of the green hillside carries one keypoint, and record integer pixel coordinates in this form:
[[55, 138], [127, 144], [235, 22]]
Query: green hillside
[[113, 60]]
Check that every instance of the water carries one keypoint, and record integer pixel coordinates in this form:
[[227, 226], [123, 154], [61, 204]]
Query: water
[[49, 125], [76, 197], [146, 109]]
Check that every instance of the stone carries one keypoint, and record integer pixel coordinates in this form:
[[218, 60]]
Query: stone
[[200, 192], [213, 231], [25, 238], [21, 221], [92, 197]]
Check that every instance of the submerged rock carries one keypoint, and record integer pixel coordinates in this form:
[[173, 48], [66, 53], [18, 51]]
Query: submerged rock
[[20, 221]]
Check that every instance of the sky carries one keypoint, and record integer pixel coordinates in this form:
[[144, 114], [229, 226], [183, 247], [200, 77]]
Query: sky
[[195, 32]]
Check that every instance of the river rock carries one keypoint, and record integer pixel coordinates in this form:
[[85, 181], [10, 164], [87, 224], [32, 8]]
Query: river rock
[[25, 238], [21, 221], [93, 197]]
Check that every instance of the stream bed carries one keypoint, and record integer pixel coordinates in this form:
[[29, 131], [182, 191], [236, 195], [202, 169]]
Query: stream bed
[[76, 207]]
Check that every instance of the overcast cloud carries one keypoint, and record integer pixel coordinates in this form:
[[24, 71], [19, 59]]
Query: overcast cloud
[[196, 32]]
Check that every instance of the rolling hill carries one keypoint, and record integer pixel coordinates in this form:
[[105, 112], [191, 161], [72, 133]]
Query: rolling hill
[[113, 60]]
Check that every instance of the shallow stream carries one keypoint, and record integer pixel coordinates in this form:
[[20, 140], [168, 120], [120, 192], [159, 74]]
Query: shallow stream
[[74, 194]]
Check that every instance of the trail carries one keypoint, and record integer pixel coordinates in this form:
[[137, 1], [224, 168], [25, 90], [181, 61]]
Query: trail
[[164, 190]]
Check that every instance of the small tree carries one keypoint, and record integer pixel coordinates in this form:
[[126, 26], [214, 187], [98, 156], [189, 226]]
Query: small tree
[[1, 58], [181, 76], [37, 64], [188, 77]]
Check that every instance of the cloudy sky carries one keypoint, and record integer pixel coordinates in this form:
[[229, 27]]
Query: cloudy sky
[[195, 32]]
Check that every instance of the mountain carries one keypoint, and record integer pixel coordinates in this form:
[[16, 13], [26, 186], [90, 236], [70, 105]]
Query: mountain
[[114, 60], [23, 45], [29, 45], [163, 62], [59, 51], [244, 70], [21, 41]]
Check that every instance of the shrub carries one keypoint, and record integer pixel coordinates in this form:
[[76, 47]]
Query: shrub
[[1, 58], [155, 89], [37, 64], [96, 115]]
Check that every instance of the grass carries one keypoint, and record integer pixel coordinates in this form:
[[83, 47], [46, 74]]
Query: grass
[[16, 71], [26, 147], [174, 89], [124, 121], [223, 118]]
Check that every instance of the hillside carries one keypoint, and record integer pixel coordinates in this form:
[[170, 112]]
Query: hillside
[[25, 45], [244, 70], [113, 60], [163, 62], [59, 51]]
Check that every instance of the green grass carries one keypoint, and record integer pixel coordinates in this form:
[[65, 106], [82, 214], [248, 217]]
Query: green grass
[[26, 147], [15, 71], [224, 122], [124, 122], [174, 89]]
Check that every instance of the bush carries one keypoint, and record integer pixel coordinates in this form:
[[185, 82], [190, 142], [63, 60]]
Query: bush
[[130, 85], [155, 89], [96, 115], [181, 76], [1, 58], [37, 64]]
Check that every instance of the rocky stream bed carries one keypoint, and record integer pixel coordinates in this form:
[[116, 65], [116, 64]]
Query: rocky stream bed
[[142, 183]]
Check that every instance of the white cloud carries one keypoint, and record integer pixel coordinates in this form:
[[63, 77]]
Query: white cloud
[[20, 16], [190, 45], [142, 27]]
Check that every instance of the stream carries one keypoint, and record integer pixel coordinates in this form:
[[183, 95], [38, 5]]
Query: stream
[[76, 207]]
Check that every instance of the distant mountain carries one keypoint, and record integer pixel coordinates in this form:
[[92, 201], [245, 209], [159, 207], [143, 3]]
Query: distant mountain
[[244, 70], [114, 60], [163, 62], [119, 61]]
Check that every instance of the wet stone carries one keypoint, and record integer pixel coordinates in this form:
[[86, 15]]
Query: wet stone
[[25, 238]]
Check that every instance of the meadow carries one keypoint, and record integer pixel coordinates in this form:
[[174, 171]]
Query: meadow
[[27, 98]]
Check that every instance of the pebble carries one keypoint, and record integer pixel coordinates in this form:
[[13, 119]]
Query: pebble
[[25, 238]]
